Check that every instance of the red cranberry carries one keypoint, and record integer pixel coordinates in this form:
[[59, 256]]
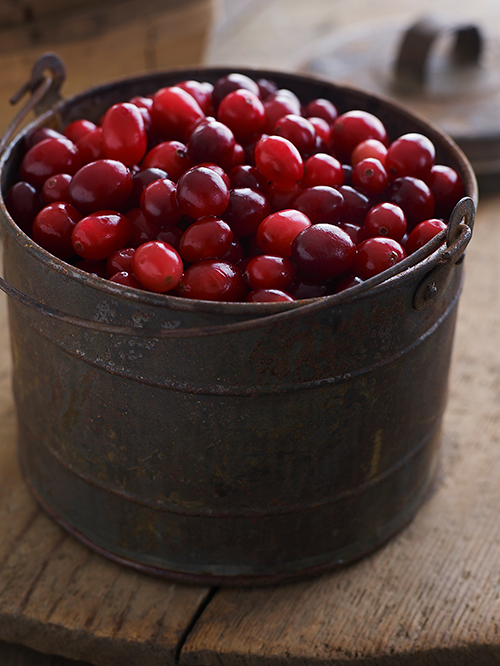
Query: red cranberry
[[323, 251], [201, 192], [213, 280], [100, 185], [246, 210]]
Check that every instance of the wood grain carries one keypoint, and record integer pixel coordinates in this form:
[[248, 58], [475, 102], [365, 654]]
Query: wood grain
[[432, 595]]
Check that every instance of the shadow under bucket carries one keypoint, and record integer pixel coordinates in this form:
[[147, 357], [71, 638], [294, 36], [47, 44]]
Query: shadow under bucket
[[232, 443]]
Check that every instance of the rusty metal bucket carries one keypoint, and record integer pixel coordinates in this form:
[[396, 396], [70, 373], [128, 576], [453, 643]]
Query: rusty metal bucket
[[232, 443]]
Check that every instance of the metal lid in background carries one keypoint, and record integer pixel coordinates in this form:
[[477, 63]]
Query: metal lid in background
[[450, 74]]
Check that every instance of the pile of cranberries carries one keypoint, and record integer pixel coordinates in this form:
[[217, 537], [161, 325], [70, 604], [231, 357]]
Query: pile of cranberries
[[236, 191]]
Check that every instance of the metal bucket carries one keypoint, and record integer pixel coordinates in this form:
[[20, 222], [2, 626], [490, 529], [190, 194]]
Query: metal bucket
[[231, 442]]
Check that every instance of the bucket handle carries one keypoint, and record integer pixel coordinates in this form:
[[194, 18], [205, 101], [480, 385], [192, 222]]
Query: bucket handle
[[46, 80]]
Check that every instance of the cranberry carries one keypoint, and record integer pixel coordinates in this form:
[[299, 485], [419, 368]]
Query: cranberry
[[322, 129], [141, 179], [201, 91], [281, 199], [91, 147], [447, 188], [370, 175], [47, 158], [170, 235], [268, 296], [213, 280], [279, 161], [202, 192], [235, 253], [320, 203], [142, 102], [98, 235], [246, 210], [423, 233], [100, 185], [234, 81], [277, 231], [278, 105], [157, 266], [142, 229], [53, 226], [299, 131], [266, 88], [323, 251], [159, 203], [410, 155], [38, 134], [23, 203], [375, 255], [56, 188], [414, 197], [322, 169], [123, 134], [351, 128], [211, 141], [356, 204], [243, 112], [78, 128], [175, 112], [369, 148], [321, 108], [269, 272], [207, 238], [356, 232], [97, 268], [246, 175], [346, 283], [126, 279], [386, 219], [308, 287], [120, 260], [171, 156]]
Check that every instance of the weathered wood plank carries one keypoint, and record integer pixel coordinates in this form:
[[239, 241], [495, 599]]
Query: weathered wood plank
[[432, 595]]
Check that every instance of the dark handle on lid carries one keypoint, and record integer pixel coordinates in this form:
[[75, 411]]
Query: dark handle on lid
[[412, 63]]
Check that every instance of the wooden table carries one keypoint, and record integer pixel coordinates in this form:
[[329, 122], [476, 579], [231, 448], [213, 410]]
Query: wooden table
[[430, 596]]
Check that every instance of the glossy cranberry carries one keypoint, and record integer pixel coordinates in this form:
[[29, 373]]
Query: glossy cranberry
[[323, 251], [211, 141], [305, 286], [47, 158], [351, 128], [375, 255], [246, 175], [278, 105], [175, 112], [23, 203], [171, 156], [269, 272], [38, 134], [246, 210], [237, 158], [90, 146], [100, 185], [141, 179], [53, 226], [235, 253], [78, 128], [266, 88], [159, 202], [213, 280], [447, 188], [201, 192], [277, 231], [120, 261], [171, 235], [356, 204], [124, 134], [423, 233], [126, 279], [157, 266], [320, 203], [279, 161], [142, 102], [231, 82], [268, 296], [56, 188], [297, 130], [386, 219], [243, 112], [410, 155], [370, 175], [321, 108], [142, 229], [356, 232], [322, 130], [369, 148], [322, 169], [414, 197], [201, 91], [98, 235], [207, 238]]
